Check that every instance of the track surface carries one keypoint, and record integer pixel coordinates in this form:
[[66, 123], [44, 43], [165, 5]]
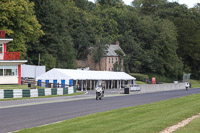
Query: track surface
[[16, 118]]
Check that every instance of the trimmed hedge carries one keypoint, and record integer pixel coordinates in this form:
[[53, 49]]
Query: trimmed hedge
[[161, 78], [147, 78], [139, 77]]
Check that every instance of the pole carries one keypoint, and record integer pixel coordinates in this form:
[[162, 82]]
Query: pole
[[39, 59]]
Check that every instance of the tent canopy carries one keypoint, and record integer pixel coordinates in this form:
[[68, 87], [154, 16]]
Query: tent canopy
[[84, 75]]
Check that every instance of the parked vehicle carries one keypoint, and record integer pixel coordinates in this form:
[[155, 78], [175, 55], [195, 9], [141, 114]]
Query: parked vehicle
[[134, 87]]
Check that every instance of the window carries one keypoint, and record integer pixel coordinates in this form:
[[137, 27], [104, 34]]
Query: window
[[112, 60], [8, 70], [109, 69], [1, 72], [1, 48], [116, 59], [109, 62]]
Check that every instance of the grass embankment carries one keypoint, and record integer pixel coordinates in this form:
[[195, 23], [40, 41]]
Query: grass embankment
[[74, 94], [192, 127], [149, 118], [195, 83], [140, 82]]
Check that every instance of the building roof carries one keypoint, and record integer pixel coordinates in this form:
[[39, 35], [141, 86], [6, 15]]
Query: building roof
[[12, 62], [5, 40], [112, 48], [84, 75]]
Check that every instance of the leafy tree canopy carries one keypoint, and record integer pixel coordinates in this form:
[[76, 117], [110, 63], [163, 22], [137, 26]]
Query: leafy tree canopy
[[17, 18]]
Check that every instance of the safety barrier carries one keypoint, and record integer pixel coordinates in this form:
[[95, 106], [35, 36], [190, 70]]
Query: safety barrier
[[20, 93], [148, 88]]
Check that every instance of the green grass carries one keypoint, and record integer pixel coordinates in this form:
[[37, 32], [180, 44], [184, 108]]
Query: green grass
[[149, 118], [195, 83], [13, 86], [192, 127], [8, 99], [140, 82]]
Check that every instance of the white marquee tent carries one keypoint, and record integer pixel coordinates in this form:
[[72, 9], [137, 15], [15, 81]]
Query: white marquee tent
[[81, 75]]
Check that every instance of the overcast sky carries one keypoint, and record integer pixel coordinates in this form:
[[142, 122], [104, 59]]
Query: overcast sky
[[189, 3]]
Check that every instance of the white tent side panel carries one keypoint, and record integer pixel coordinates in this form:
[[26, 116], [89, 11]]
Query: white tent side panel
[[40, 70], [32, 71], [53, 74], [27, 71]]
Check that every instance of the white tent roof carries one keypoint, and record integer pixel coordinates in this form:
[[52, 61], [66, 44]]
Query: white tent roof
[[84, 75]]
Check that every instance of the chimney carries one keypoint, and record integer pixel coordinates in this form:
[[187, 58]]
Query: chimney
[[117, 43]]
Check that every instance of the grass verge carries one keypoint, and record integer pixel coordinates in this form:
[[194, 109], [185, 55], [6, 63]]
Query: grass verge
[[191, 127], [8, 99], [149, 118], [13, 86], [195, 83]]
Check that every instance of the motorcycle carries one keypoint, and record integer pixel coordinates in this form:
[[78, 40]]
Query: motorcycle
[[99, 92]]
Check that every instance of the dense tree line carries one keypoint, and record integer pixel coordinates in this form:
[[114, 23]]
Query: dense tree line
[[158, 37]]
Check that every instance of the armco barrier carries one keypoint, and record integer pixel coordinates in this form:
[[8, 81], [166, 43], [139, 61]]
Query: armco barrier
[[65, 91], [47, 92], [26, 93], [54, 91], [60, 91], [20, 93], [1, 94], [147, 88], [8, 93], [41, 92], [17, 93]]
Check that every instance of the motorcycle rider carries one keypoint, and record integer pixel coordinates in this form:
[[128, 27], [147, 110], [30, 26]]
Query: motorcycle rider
[[187, 85], [99, 91]]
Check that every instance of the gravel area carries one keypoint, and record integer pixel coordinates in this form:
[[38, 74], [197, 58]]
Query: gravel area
[[180, 124]]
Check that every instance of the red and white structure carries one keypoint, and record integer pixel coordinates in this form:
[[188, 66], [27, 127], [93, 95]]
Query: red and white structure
[[10, 63]]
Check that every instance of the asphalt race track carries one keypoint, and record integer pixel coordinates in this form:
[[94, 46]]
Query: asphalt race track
[[19, 117]]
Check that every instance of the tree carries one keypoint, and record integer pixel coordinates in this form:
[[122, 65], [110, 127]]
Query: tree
[[148, 7], [18, 19], [99, 50], [57, 41], [187, 25], [119, 64], [107, 3]]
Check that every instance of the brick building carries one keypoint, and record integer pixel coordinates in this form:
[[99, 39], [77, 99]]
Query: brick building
[[106, 63]]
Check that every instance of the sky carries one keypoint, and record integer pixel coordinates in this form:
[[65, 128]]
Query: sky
[[189, 3]]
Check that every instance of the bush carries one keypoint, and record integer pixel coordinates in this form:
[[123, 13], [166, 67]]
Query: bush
[[140, 77]]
